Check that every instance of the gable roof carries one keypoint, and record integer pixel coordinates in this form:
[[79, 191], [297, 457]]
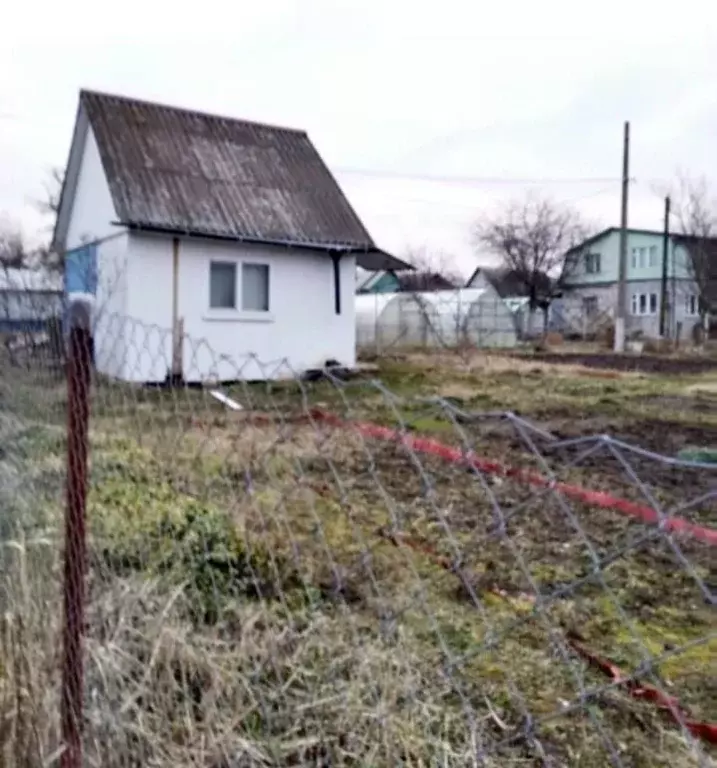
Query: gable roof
[[178, 171], [508, 282], [406, 282], [425, 281], [369, 280], [605, 232]]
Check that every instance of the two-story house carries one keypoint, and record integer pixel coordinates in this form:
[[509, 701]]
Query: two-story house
[[592, 272]]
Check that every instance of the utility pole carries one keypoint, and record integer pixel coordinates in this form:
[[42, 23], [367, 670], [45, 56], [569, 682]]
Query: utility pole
[[622, 270], [665, 254]]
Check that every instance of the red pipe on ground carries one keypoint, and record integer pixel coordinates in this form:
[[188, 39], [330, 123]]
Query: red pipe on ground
[[426, 445]]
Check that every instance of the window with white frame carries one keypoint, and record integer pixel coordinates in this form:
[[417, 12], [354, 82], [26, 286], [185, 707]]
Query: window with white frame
[[643, 256], [222, 285], [643, 304], [692, 305], [590, 305], [592, 263], [255, 287]]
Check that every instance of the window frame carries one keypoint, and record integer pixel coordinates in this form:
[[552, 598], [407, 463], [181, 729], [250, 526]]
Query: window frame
[[692, 299], [641, 304], [591, 305], [238, 314], [265, 265], [593, 263], [223, 263]]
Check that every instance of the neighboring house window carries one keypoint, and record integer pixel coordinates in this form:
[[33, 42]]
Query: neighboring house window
[[222, 285], [653, 256], [692, 305], [592, 263], [255, 287], [644, 304], [590, 305], [639, 257]]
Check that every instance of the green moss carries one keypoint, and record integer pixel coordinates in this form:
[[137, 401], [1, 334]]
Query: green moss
[[141, 523], [431, 424]]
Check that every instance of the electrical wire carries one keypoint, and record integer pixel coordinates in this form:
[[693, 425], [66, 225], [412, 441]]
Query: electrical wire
[[469, 180]]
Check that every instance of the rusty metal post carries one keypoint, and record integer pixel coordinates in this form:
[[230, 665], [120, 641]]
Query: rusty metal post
[[78, 409]]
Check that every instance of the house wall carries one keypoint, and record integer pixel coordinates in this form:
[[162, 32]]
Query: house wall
[[647, 279], [479, 281], [112, 325], [300, 331], [90, 221], [92, 211], [609, 249], [677, 291]]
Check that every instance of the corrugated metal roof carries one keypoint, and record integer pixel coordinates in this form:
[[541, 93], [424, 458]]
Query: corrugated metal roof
[[29, 280], [177, 170]]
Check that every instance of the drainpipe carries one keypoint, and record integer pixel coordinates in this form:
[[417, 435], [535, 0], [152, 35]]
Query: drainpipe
[[176, 373], [336, 258]]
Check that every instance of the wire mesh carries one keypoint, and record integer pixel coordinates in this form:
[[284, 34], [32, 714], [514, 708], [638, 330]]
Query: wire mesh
[[316, 570]]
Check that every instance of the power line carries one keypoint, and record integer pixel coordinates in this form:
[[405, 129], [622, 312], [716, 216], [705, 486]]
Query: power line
[[471, 180]]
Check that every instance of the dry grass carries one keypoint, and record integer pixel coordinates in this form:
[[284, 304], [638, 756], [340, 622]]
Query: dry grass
[[246, 608], [492, 364]]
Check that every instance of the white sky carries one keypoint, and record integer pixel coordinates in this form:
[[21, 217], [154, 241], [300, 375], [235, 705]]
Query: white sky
[[390, 92]]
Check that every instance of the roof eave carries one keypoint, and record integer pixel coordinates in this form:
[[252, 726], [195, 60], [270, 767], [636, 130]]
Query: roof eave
[[367, 255], [69, 179]]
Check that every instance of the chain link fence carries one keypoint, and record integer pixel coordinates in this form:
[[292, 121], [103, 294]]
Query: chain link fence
[[312, 570]]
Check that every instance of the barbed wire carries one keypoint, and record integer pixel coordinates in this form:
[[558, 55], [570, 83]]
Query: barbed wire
[[315, 569]]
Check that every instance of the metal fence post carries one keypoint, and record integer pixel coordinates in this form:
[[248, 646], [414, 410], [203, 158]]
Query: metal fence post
[[78, 400]]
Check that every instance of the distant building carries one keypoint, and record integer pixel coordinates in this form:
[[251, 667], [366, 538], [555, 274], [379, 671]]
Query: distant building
[[512, 288], [28, 298], [509, 284], [592, 277], [391, 281]]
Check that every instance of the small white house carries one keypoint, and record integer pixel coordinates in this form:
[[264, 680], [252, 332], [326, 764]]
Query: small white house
[[214, 247]]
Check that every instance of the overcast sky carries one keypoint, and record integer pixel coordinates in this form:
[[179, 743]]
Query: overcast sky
[[427, 113]]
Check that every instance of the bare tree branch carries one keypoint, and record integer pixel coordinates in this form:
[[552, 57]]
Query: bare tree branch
[[13, 253], [433, 270], [531, 237], [694, 212], [50, 204]]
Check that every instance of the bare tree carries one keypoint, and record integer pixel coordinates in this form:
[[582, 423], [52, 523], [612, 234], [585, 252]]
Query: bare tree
[[433, 270], [694, 213], [50, 203], [13, 253], [532, 236]]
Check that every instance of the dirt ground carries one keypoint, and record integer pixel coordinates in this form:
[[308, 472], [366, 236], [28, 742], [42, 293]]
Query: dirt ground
[[299, 592], [483, 581], [455, 563], [635, 363]]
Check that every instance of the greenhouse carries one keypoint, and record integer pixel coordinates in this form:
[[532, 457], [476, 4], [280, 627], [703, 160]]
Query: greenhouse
[[467, 317]]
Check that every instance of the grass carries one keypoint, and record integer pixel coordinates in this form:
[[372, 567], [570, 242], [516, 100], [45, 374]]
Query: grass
[[247, 603]]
